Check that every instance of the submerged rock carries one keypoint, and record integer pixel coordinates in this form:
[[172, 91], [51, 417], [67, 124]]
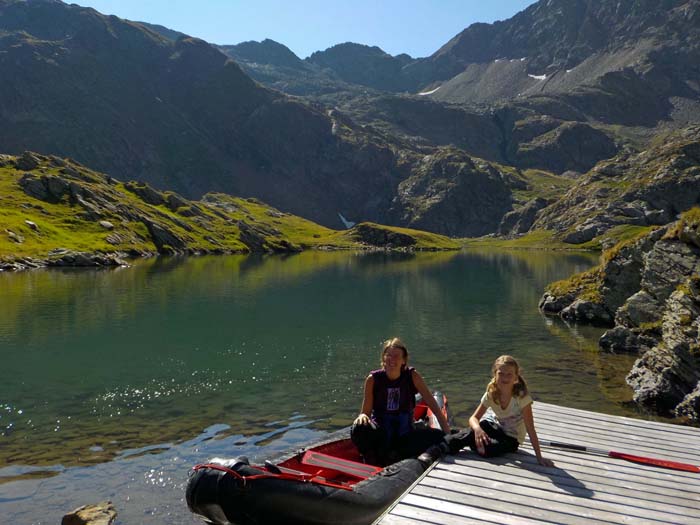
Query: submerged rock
[[102, 513]]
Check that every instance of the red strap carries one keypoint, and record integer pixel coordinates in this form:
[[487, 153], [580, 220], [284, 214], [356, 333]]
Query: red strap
[[303, 478]]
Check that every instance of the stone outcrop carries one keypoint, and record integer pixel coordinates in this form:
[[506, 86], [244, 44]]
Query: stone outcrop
[[667, 377], [450, 193], [102, 513], [651, 289], [375, 235], [61, 257], [649, 188], [519, 221]]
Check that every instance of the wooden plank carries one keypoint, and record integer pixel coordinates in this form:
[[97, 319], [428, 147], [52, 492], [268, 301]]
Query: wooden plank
[[531, 509], [583, 416], [457, 511], [582, 488], [617, 436], [613, 434], [645, 448], [615, 465], [410, 515], [583, 483], [559, 500], [597, 468]]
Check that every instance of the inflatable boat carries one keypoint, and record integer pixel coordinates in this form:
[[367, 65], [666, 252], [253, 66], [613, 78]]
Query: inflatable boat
[[324, 483]]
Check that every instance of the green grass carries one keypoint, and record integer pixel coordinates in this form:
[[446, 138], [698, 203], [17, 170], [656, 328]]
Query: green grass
[[534, 240], [584, 285], [210, 225], [689, 219]]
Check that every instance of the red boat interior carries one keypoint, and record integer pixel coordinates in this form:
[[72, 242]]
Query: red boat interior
[[338, 462]]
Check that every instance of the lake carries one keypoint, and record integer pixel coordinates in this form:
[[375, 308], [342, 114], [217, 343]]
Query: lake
[[115, 382]]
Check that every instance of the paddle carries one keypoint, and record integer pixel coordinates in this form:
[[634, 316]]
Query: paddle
[[628, 457]]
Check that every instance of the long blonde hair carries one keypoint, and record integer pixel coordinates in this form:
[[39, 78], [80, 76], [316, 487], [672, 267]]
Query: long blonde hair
[[519, 389]]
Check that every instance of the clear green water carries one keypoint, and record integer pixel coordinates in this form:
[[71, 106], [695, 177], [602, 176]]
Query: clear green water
[[113, 383]]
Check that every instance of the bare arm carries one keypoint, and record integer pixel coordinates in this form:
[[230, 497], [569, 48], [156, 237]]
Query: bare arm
[[424, 391], [481, 438], [529, 421], [367, 403]]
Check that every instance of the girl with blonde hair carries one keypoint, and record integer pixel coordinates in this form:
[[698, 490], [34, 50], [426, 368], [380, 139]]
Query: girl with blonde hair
[[504, 415]]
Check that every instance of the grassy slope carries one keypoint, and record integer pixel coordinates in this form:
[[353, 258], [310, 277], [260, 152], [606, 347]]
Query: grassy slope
[[214, 227]]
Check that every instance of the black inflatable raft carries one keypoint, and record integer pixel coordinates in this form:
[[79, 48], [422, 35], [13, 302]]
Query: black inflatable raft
[[325, 483]]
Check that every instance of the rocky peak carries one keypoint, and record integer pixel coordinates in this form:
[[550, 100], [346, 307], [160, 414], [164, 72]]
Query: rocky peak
[[366, 65], [265, 52], [560, 34]]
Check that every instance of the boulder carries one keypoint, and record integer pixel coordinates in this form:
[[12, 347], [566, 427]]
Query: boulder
[[587, 311], [102, 513], [553, 304], [15, 237], [641, 308], [667, 376], [380, 236], [166, 241], [261, 238], [27, 162], [145, 193], [669, 263], [175, 201], [622, 340], [622, 273], [661, 379], [47, 188], [690, 406], [585, 232]]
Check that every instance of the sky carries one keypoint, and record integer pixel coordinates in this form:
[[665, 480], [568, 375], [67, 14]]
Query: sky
[[416, 27]]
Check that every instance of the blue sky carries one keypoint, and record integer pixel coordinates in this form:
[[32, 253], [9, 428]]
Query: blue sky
[[416, 27]]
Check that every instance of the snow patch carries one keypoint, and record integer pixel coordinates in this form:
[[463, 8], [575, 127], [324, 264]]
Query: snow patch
[[538, 77], [497, 61], [429, 92], [523, 59], [346, 223]]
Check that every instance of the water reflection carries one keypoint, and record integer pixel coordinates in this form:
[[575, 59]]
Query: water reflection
[[99, 362]]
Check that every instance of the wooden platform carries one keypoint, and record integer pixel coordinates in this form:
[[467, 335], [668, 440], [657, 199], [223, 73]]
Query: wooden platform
[[582, 488]]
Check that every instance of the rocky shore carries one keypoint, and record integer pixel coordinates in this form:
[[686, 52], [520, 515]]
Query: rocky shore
[[647, 290]]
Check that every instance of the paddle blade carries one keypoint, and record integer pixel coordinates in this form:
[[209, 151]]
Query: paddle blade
[[655, 462]]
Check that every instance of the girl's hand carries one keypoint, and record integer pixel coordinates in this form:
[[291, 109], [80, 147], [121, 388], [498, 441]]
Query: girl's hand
[[482, 439], [362, 419], [545, 462]]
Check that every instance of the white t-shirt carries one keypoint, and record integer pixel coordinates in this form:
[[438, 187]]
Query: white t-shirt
[[509, 419]]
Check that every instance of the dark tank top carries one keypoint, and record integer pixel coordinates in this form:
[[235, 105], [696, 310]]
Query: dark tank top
[[394, 401]]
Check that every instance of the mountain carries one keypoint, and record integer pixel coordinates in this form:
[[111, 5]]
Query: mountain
[[182, 116], [631, 63], [630, 190], [365, 65], [603, 74], [277, 67]]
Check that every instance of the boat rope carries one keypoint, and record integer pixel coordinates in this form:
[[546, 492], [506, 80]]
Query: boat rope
[[302, 478]]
